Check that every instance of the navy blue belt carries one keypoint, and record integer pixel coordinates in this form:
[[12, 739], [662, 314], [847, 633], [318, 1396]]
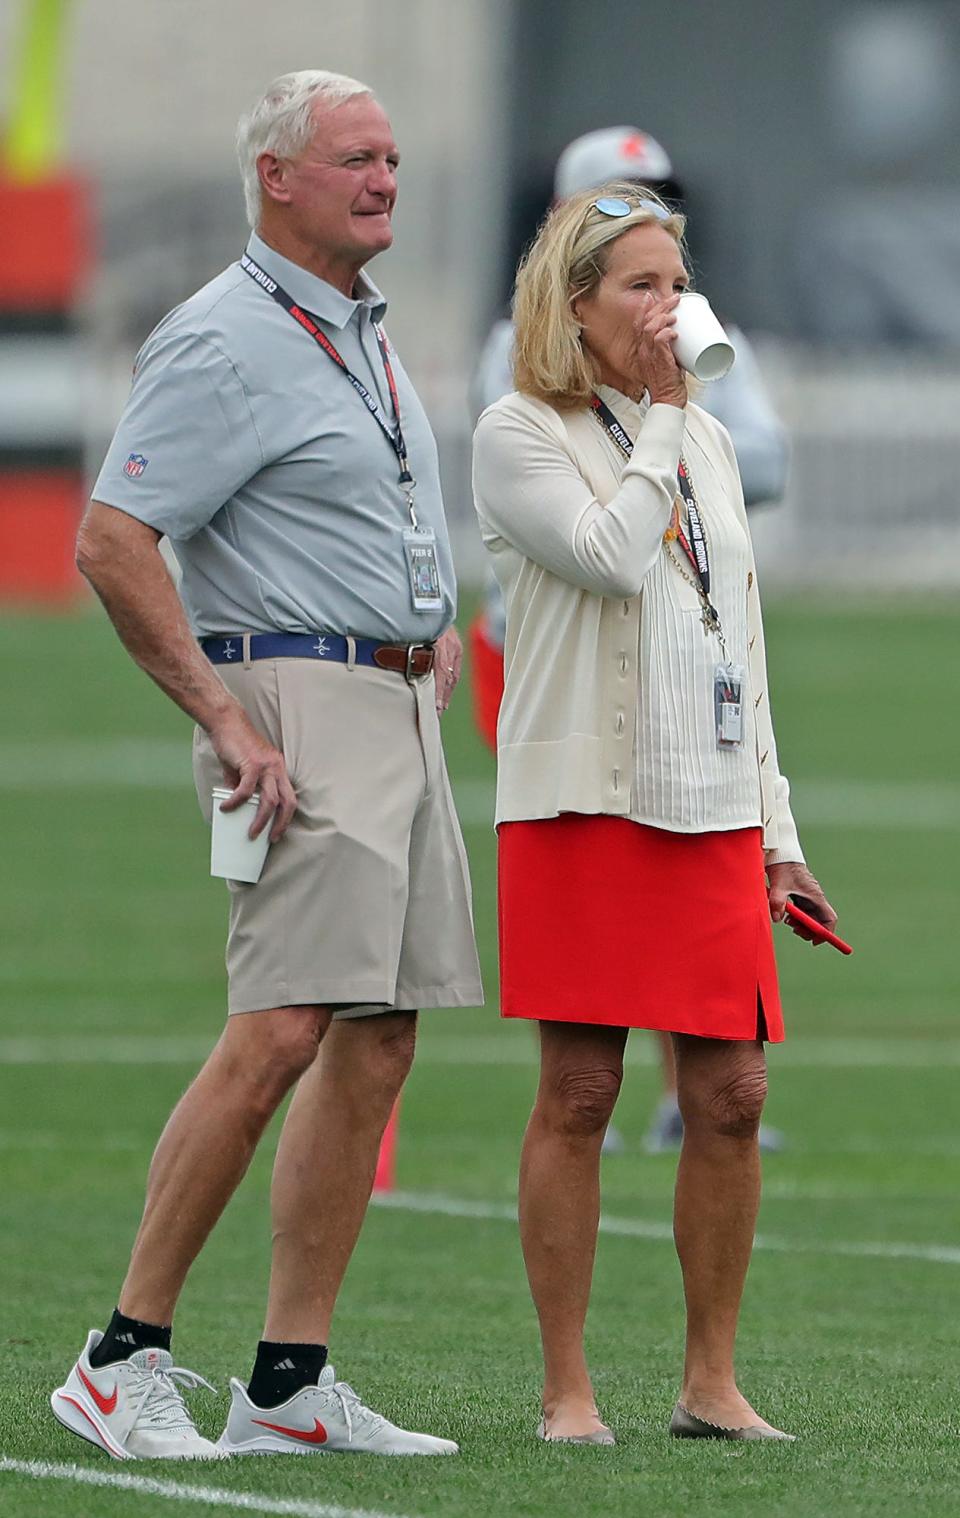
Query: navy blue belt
[[410, 659]]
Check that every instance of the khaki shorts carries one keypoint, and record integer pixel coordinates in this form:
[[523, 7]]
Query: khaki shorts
[[364, 904]]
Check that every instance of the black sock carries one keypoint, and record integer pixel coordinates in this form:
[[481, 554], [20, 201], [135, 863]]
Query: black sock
[[124, 1336], [281, 1370]]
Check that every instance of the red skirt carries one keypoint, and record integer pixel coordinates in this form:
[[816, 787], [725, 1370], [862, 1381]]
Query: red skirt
[[603, 920]]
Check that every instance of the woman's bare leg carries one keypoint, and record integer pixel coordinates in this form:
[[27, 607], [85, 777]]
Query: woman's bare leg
[[721, 1086], [580, 1074]]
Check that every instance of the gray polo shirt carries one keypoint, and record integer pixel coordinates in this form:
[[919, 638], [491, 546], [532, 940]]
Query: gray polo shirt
[[245, 444]]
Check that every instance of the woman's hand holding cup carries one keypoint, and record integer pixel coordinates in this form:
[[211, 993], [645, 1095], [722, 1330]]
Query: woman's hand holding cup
[[655, 330]]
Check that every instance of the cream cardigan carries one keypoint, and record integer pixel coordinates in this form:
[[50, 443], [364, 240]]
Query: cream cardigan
[[607, 701]]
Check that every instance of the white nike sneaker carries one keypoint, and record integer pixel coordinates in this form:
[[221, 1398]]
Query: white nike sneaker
[[133, 1408], [320, 1419]]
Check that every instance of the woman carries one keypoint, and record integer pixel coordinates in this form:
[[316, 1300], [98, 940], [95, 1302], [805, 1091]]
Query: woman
[[639, 803]]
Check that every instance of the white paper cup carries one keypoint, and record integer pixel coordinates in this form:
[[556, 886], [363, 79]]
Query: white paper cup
[[233, 854], [702, 347]]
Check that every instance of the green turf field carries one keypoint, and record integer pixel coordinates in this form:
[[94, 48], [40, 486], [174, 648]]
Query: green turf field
[[112, 988]]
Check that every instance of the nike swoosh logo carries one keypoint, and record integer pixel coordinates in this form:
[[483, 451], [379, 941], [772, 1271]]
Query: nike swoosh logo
[[105, 1404], [316, 1435]]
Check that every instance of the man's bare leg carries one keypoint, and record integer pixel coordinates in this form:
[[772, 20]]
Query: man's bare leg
[[322, 1179], [207, 1144], [324, 1169]]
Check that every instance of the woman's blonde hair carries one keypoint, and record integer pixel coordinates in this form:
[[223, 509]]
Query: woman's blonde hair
[[567, 259]]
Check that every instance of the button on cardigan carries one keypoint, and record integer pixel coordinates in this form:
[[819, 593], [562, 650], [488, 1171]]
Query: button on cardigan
[[608, 696]]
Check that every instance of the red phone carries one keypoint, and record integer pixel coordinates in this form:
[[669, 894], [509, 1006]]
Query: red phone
[[824, 934]]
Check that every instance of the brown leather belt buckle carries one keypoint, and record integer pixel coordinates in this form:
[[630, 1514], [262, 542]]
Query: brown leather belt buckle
[[412, 660], [419, 661]]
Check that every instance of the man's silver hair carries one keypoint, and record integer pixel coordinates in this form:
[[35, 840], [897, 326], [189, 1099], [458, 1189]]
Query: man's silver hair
[[281, 122]]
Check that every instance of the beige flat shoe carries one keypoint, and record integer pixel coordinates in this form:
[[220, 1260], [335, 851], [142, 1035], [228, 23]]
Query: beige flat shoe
[[601, 1435], [686, 1425]]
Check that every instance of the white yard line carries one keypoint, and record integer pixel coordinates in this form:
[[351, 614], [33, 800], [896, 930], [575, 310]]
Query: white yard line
[[106, 1049], [162, 763], [156, 763], [509, 1048], [637, 1228], [31, 1140], [503, 1048], [181, 1491]]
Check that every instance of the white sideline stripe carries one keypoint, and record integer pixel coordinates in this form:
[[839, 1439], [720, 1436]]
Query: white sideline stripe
[[637, 1228], [504, 1049], [180, 1491], [163, 763]]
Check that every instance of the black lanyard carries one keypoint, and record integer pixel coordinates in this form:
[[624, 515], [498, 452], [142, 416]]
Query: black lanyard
[[695, 547], [393, 435]]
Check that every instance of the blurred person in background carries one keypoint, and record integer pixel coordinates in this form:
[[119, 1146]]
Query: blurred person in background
[[890, 85], [639, 799], [273, 436], [739, 401]]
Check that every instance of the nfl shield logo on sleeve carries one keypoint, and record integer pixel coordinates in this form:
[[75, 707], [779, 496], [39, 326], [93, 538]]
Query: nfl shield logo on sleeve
[[135, 465]]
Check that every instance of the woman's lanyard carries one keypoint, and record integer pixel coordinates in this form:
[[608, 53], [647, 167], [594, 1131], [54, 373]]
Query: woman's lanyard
[[393, 435], [694, 546]]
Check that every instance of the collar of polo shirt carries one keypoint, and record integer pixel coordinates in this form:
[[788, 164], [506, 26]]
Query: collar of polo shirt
[[314, 294]]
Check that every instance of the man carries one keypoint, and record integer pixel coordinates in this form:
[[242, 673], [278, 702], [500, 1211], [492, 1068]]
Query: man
[[739, 401], [272, 435]]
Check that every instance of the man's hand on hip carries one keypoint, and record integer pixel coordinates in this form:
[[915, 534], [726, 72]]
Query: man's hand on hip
[[252, 764], [447, 661]]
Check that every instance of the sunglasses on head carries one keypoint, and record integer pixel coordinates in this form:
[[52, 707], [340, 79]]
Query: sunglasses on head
[[612, 205]]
